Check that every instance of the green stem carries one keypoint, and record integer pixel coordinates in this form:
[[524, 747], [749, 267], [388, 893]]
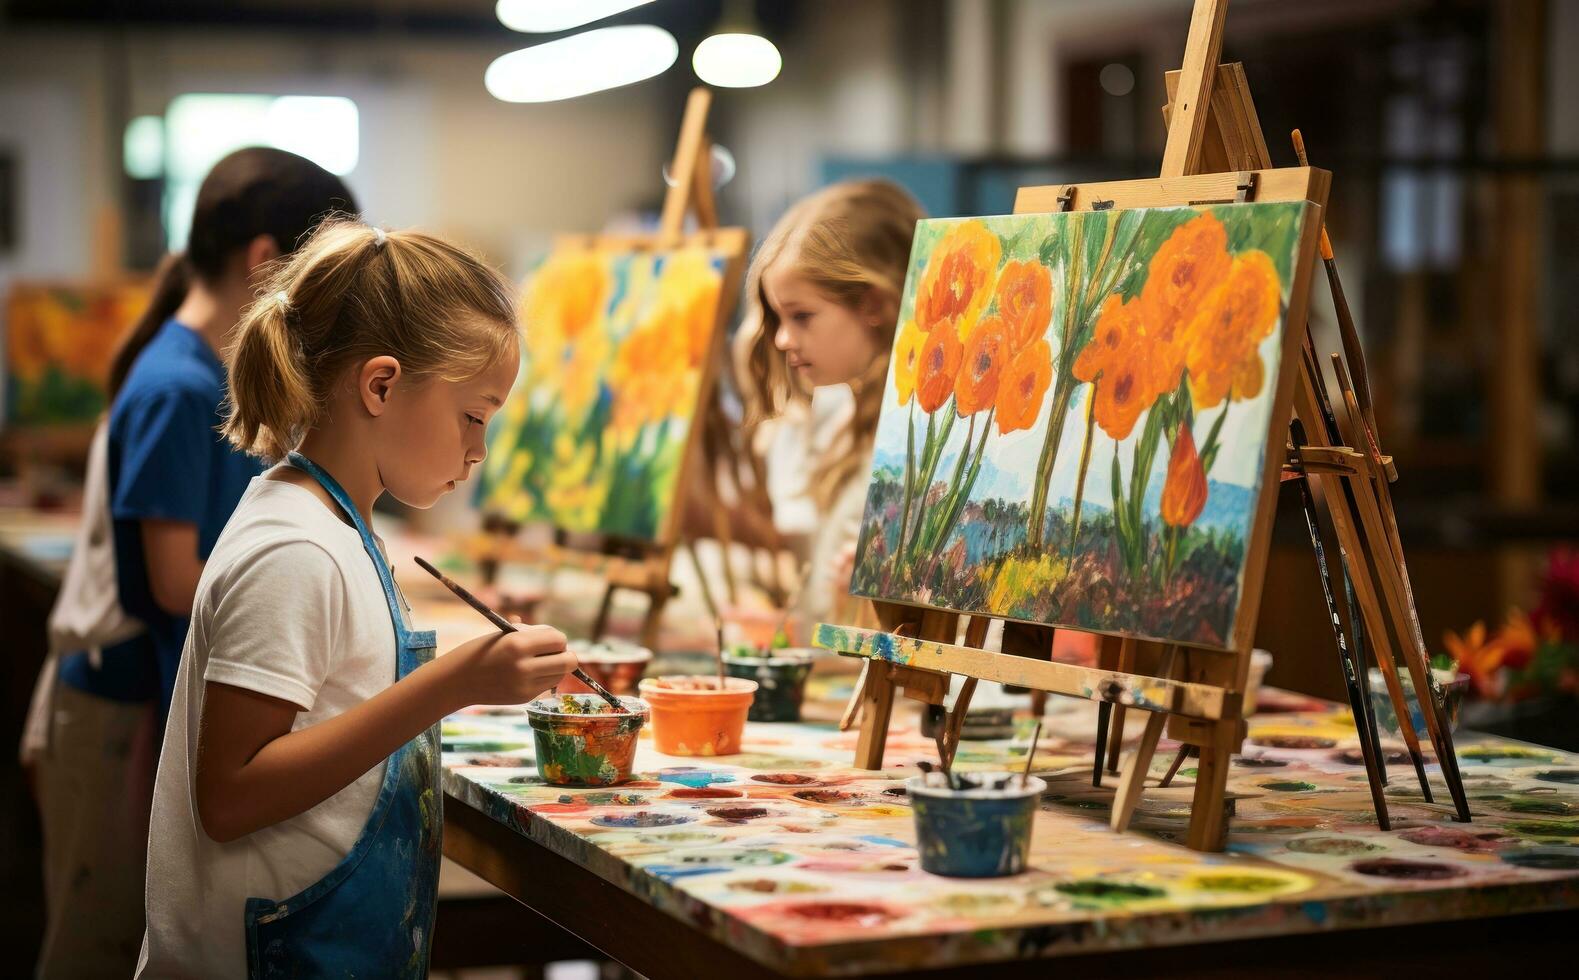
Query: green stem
[[910, 470], [955, 504], [1085, 463], [928, 537]]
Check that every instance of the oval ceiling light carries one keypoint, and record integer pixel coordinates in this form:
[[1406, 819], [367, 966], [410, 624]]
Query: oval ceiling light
[[549, 16], [581, 64], [736, 60]]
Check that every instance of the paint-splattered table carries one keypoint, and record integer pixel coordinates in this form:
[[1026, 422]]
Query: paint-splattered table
[[785, 861]]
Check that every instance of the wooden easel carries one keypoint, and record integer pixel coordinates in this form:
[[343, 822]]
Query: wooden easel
[[1196, 693], [641, 565]]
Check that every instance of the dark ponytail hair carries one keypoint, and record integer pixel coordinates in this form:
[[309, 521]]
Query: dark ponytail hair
[[254, 191]]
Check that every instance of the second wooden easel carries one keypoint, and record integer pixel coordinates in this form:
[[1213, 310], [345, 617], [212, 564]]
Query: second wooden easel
[[1196, 694], [644, 565]]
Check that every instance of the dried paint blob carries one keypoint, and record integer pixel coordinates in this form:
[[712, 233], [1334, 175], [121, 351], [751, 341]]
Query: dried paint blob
[[1527, 804], [1452, 837], [641, 818], [784, 778], [704, 793], [1294, 741], [1543, 858], [1244, 883], [741, 813], [1407, 870], [1344, 846], [826, 796], [751, 857], [1356, 757], [1288, 786], [1546, 828], [975, 903], [1260, 762], [1569, 776], [768, 886], [867, 915], [1505, 753], [1110, 892], [681, 837]]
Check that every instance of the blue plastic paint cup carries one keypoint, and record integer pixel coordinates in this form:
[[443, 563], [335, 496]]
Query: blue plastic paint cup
[[976, 832]]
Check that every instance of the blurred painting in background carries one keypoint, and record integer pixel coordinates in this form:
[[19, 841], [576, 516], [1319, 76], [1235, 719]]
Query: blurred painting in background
[[59, 341], [615, 347], [1077, 415]]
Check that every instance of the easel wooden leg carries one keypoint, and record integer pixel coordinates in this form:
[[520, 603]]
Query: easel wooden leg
[[877, 703], [1134, 778], [656, 601], [1208, 821]]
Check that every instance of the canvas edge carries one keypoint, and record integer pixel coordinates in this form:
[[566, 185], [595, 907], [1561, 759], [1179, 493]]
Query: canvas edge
[[1258, 543]]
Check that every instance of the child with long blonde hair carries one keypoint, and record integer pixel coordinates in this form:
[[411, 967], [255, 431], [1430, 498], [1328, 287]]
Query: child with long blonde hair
[[296, 820], [824, 290]]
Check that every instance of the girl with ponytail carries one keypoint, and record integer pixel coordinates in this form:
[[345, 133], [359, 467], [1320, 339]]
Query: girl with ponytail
[[171, 482], [296, 818]]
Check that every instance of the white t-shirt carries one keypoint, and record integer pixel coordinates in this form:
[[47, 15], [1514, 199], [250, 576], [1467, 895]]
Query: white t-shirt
[[289, 605]]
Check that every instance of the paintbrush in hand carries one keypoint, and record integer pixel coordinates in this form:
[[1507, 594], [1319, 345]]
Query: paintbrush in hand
[[505, 626]]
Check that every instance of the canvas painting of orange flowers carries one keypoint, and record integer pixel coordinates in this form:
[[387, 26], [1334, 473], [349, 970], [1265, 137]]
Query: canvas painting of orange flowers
[[612, 363], [59, 342], [1077, 417]]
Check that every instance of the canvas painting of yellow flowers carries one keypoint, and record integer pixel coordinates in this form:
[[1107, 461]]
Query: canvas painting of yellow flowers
[[1077, 417], [59, 342], [595, 430]]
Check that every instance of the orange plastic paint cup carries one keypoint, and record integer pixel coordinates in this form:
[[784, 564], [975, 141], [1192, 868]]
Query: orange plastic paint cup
[[691, 716]]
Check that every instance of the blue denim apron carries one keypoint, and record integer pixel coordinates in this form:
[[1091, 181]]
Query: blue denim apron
[[372, 916]]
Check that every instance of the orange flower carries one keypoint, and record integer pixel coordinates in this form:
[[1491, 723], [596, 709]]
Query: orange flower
[[1025, 301], [958, 277], [976, 386], [1023, 387], [940, 358], [1121, 395], [1185, 269], [1478, 657], [1115, 361], [1224, 339], [907, 355], [1110, 337], [1184, 493]]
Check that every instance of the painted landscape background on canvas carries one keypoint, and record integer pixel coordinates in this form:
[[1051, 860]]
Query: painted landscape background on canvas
[[1077, 414], [592, 436]]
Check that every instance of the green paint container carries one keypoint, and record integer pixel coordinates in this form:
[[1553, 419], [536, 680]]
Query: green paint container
[[781, 681], [977, 831], [579, 748]]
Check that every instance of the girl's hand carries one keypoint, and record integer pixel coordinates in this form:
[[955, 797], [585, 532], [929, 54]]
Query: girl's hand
[[507, 668]]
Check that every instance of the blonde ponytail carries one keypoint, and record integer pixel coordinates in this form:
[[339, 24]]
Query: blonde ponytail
[[349, 294], [270, 394]]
